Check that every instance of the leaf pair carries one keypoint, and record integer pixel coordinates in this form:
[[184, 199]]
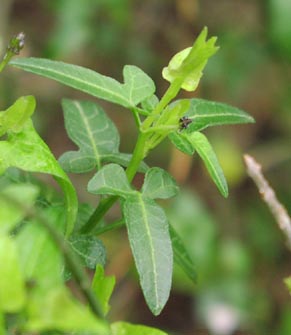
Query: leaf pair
[[147, 227]]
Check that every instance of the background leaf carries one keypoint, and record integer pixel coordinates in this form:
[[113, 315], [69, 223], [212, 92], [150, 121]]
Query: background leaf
[[205, 151], [204, 113], [150, 243], [12, 287], [15, 201], [40, 259], [124, 328], [181, 255], [136, 88], [57, 309], [158, 183], [14, 118]]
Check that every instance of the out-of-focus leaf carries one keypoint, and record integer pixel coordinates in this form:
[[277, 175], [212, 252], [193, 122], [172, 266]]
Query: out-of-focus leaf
[[57, 309], [279, 25], [40, 258], [137, 85], [14, 118], [89, 248], [150, 243], [181, 255], [12, 287], [159, 184], [103, 286], [15, 201], [124, 328]]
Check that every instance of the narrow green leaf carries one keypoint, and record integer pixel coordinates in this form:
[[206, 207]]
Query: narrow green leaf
[[14, 118], [205, 151], [136, 88], [124, 328], [158, 183], [111, 179], [12, 287], [57, 309], [103, 286], [204, 113], [15, 201], [181, 142], [181, 255], [40, 259], [27, 151], [89, 248], [150, 243]]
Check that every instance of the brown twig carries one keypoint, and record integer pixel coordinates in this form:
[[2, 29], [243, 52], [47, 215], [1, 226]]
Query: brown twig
[[277, 209]]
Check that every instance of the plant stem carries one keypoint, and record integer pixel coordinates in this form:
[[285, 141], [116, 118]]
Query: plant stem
[[112, 226], [98, 214], [14, 47]]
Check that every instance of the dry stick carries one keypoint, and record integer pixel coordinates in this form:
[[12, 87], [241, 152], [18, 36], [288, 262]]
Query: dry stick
[[277, 209]]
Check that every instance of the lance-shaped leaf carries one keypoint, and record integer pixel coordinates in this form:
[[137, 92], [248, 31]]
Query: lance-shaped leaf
[[103, 286], [158, 183], [12, 287], [205, 151], [187, 65], [13, 118], [25, 150], [150, 243], [181, 255], [125, 328], [204, 113], [96, 136], [111, 179], [136, 88]]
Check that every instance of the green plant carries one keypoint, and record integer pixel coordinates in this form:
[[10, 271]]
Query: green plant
[[41, 245]]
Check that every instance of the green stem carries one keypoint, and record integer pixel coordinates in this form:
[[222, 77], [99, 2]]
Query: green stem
[[14, 47], [112, 226], [100, 211]]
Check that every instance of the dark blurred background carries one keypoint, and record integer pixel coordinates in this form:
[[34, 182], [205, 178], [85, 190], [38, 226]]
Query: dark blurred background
[[239, 252]]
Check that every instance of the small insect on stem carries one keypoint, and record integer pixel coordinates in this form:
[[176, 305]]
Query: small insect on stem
[[184, 122]]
